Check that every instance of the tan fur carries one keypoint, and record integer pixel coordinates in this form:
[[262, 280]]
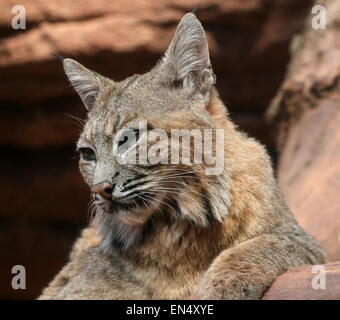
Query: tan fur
[[234, 249]]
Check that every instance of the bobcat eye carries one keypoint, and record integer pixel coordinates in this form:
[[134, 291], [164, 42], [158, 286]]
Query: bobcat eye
[[87, 154]]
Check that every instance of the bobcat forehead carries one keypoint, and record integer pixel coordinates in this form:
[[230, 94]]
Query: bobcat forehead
[[106, 123]]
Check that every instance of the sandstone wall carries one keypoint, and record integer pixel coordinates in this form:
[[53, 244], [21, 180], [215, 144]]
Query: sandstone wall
[[306, 114], [43, 200]]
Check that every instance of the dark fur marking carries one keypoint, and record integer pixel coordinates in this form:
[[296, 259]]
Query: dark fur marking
[[140, 176], [207, 207], [135, 185]]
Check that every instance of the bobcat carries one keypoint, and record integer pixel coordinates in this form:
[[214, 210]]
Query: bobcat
[[171, 231]]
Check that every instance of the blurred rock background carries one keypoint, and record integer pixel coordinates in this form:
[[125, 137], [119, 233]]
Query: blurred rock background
[[43, 199]]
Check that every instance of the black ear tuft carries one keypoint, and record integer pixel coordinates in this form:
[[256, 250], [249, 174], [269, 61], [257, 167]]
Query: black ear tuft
[[198, 7], [57, 56]]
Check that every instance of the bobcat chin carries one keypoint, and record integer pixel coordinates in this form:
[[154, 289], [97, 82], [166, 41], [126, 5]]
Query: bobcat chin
[[170, 230]]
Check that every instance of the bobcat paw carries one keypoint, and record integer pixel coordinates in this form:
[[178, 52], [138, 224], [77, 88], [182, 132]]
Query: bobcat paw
[[229, 287]]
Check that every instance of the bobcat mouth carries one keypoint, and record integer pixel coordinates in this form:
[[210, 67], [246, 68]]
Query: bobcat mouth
[[111, 206]]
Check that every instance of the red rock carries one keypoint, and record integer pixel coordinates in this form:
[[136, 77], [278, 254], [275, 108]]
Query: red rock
[[309, 174], [306, 111]]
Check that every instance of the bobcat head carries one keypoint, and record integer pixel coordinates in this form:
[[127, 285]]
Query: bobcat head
[[175, 94]]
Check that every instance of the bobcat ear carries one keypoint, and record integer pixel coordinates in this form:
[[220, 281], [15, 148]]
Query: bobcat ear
[[187, 59], [84, 81]]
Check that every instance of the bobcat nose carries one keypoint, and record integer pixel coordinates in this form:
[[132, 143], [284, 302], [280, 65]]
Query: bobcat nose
[[104, 189]]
